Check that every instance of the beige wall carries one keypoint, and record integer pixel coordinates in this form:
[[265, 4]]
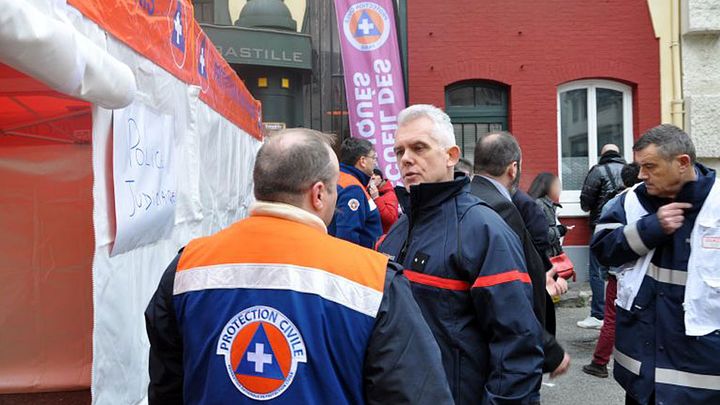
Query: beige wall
[[701, 75], [660, 11]]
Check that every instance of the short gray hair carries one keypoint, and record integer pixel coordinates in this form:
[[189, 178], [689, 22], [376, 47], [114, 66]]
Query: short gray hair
[[442, 130], [290, 162], [495, 151], [670, 140]]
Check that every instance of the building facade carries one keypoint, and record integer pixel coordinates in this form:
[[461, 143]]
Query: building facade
[[565, 77], [700, 45], [288, 54]]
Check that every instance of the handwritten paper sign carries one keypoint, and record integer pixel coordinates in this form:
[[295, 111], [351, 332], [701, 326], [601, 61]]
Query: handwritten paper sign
[[144, 176]]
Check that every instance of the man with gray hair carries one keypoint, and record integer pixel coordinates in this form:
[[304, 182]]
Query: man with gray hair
[[665, 237], [273, 308], [466, 266]]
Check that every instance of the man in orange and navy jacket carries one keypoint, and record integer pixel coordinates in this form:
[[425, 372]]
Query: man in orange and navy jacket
[[357, 218], [274, 309]]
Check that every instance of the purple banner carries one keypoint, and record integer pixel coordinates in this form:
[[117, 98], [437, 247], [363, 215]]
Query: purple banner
[[373, 75]]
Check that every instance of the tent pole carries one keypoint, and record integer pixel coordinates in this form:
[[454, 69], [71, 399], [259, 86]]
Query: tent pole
[[33, 112], [47, 120], [40, 137]]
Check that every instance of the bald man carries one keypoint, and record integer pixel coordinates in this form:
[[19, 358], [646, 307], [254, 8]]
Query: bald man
[[275, 309], [602, 183]]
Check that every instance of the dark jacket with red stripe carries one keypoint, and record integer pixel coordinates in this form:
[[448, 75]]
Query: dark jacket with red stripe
[[468, 275], [536, 268]]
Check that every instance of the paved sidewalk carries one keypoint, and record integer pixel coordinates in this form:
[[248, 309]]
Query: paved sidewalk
[[576, 387]]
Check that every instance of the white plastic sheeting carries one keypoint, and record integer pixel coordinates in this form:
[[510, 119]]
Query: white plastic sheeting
[[41, 43], [47, 192], [215, 160]]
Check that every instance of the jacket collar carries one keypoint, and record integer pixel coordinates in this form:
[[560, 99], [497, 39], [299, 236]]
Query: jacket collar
[[426, 196], [480, 179], [693, 192], [611, 157], [288, 212], [363, 178], [550, 203]]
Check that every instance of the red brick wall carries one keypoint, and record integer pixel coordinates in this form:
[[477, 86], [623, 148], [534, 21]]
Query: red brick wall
[[534, 46]]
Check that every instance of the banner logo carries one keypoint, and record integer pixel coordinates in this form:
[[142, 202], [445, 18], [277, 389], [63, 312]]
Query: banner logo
[[262, 349], [366, 26], [179, 27], [202, 62]]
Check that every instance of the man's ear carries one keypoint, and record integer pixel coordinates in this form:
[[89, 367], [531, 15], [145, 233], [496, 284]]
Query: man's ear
[[453, 155], [512, 170], [317, 196], [685, 162]]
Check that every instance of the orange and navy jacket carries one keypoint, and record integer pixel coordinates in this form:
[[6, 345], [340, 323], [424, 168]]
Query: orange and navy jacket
[[273, 308], [357, 218], [467, 271]]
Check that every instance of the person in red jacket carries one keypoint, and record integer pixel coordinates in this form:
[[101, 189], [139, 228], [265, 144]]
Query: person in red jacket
[[383, 194]]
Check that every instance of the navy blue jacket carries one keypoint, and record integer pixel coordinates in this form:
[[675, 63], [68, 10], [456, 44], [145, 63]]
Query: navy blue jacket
[[467, 271], [357, 218], [652, 351]]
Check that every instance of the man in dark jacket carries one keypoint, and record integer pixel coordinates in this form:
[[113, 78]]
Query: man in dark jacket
[[273, 308], [497, 169], [466, 268], [357, 218], [602, 183]]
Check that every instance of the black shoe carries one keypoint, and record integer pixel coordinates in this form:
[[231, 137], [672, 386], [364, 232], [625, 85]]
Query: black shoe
[[596, 369]]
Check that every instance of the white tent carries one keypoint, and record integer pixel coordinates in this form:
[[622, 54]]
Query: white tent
[[66, 69]]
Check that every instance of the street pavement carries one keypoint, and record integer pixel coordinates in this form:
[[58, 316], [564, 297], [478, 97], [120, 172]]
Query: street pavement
[[576, 387], [572, 388]]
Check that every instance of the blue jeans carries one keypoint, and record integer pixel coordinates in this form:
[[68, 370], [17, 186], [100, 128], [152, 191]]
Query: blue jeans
[[598, 273]]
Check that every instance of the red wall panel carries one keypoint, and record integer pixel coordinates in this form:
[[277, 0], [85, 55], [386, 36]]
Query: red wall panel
[[533, 47]]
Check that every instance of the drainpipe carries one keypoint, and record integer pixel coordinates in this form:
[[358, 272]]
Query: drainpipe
[[677, 104]]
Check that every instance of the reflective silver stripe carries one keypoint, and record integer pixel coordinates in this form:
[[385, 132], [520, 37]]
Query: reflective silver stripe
[[269, 276], [685, 379], [633, 239], [626, 361], [602, 227], [669, 276]]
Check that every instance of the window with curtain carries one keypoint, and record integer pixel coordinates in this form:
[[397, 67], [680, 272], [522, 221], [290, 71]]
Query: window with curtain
[[591, 114]]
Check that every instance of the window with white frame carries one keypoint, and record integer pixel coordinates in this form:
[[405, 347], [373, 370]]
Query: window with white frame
[[591, 114]]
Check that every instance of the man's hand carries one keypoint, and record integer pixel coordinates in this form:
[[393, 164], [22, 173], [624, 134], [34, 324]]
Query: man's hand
[[562, 368], [555, 287], [561, 285], [372, 190], [672, 216]]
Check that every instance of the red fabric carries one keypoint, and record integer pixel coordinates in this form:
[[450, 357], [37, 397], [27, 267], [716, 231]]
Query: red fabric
[[495, 279], [605, 343], [387, 204], [434, 281], [563, 266], [33, 114]]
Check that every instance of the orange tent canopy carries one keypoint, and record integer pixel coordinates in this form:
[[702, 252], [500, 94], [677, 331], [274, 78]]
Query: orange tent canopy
[[32, 113]]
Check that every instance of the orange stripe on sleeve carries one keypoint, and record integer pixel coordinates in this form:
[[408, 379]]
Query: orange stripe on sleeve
[[438, 282], [507, 277]]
